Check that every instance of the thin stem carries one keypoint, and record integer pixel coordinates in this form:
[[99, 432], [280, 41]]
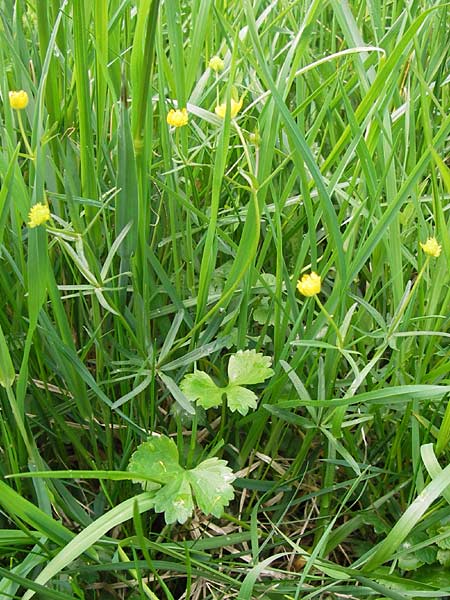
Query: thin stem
[[340, 341], [24, 136]]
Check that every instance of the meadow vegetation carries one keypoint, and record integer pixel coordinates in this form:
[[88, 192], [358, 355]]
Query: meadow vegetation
[[224, 335]]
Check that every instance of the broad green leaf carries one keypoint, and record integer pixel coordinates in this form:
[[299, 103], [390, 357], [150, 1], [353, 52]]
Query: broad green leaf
[[211, 481], [443, 557], [244, 368], [444, 543], [175, 499], [410, 562], [263, 313], [435, 576], [414, 559], [427, 555], [240, 399], [157, 458], [199, 386], [247, 367]]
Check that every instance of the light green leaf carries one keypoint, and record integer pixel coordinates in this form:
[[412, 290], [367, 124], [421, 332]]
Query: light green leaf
[[444, 543], [263, 313], [443, 557], [211, 481], [427, 555], [244, 368], [247, 367], [157, 458], [414, 559], [199, 386], [410, 562], [175, 499], [240, 399]]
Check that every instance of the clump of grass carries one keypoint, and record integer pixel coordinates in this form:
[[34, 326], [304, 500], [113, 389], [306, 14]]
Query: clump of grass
[[198, 160]]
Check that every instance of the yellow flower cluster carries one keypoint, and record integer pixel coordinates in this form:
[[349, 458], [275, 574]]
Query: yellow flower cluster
[[18, 100], [216, 64], [309, 285], [39, 214], [431, 247], [177, 118], [235, 107]]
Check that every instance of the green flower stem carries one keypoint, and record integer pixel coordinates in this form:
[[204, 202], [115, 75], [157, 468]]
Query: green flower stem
[[193, 441], [223, 420], [24, 136], [340, 341], [217, 89], [396, 321], [180, 441]]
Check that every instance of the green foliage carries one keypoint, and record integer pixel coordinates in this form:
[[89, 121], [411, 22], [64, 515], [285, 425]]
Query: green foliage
[[199, 386], [209, 482], [171, 251], [246, 367], [157, 458], [428, 547]]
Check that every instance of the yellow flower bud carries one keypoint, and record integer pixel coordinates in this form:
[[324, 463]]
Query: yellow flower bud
[[235, 107], [431, 247], [216, 64], [18, 100], [39, 214], [255, 138], [177, 118], [309, 285]]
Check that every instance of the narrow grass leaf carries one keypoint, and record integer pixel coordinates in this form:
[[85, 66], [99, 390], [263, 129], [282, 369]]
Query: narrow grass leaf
[[432, 465], [89, 536], [385, 550], [7, 371]]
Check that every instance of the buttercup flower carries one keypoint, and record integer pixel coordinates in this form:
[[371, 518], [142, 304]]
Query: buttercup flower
[[309, 285], [18, 100], [431, 247], [39, 214], [177, 118], [235, 107], [216, 64]]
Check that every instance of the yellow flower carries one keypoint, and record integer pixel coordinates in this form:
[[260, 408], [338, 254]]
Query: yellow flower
[[309, 285], [18, 100], [431, 247], [235, 107], [177, 118], [39, 213], [216, 64]]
